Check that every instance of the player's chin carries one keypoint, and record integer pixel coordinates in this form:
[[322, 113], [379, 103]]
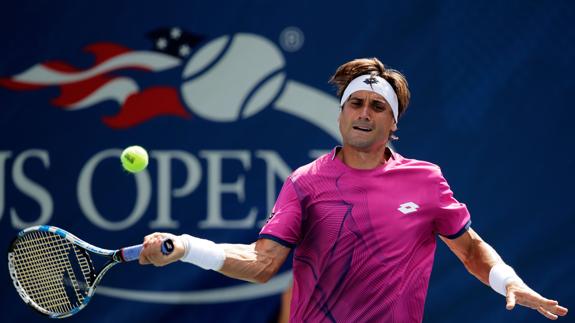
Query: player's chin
[[360, 141]]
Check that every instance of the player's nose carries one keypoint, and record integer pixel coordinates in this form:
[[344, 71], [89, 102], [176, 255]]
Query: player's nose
[[364, 112]]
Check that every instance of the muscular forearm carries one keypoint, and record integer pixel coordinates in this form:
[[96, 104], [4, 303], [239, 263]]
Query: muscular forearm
[[244, 262], [477, 256], [256, 262], [482, 257]]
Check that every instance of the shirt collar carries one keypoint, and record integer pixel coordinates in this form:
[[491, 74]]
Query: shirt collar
[[387, 151]]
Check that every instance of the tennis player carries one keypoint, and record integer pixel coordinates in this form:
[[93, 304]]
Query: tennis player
[[364, 220]]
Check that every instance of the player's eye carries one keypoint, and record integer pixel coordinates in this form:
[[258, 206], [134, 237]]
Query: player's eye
[[355, 103], [379, 107]]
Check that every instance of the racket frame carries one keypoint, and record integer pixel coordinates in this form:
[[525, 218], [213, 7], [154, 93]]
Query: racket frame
[[114, 257]]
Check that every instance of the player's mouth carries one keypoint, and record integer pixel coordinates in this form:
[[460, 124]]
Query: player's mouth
[[362, 128]]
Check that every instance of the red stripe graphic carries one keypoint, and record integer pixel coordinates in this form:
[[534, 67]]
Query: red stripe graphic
[[148, 104]]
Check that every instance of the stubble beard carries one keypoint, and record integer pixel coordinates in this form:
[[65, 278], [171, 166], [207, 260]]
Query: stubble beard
[[360, 143]]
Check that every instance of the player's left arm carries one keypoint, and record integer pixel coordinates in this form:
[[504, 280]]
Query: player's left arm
[[483, 262]]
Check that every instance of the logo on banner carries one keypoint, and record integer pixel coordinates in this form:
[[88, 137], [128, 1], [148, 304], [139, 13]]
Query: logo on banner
[[225, 80]]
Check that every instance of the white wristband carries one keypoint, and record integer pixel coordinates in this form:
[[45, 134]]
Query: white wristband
[[500, 275], [203, 253]]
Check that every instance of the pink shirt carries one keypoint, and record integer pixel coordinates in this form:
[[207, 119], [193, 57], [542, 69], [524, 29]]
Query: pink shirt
[[365, 239]]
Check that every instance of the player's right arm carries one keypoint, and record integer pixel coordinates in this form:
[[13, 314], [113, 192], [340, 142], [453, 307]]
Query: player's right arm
[[256, 262]]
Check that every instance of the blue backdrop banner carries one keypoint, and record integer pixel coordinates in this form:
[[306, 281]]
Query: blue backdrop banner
[[229, 98]]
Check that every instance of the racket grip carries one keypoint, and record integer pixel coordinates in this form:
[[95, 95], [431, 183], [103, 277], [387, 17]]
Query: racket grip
[[133, 252], [167, 246]]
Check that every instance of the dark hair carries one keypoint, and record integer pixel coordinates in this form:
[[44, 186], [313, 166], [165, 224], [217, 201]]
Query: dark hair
[[350, 70]]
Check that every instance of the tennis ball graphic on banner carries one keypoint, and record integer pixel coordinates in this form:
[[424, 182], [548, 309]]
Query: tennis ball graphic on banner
[[233, 77]]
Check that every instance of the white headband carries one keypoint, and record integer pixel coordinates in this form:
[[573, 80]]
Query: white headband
[[375, 84]]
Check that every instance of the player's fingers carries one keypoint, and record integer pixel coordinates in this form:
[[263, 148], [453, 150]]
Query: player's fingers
[[152, 251], [546, 313], [143, 260], [549, 305], [149, 238], [155, 254], [152, 245], [510, 300], [154, 235], [151, 235], [550, 302], [148, 250], [529, 298], [555, 308], [561, 311]]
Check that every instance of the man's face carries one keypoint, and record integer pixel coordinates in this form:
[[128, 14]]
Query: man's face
[[366, 121]]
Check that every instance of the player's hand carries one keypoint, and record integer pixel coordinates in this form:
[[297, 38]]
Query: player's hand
[[152, 251], [519, 293]]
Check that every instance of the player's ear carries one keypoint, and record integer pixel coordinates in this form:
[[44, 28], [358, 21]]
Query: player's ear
[[394, 127]]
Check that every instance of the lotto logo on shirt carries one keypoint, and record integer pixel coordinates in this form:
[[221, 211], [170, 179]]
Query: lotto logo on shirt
[[408, 207]]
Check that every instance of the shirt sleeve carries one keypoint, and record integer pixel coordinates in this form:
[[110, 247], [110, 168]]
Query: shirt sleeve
[[453, 218], [284, 223]]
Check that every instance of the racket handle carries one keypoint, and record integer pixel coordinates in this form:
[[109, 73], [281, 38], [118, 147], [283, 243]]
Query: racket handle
[[167, 246], [133, 252]]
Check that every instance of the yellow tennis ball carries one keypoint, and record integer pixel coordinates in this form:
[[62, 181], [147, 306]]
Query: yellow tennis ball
[[134, 159]]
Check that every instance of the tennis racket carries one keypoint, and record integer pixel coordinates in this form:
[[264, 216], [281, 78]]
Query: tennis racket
[[53, 272]]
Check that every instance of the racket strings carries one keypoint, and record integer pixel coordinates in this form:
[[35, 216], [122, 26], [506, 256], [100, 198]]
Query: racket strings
[[34, 274], [43, 264], [46, 273], [40, 272]]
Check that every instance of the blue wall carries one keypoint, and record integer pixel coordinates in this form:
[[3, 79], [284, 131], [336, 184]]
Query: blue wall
[[230, 114]]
